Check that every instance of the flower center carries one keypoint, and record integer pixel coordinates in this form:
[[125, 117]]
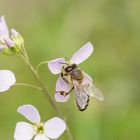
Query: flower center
[[39, 128]]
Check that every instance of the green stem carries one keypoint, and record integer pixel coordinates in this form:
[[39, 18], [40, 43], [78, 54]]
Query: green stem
[[45, 91], [25, 57], [37, 67], [24, 53], [52, 102], [27, 85]]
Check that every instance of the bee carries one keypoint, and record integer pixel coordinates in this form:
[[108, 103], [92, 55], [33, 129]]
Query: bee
[[81, 83]]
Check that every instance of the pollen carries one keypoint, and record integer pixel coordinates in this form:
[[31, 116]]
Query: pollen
[[39, 128], [63, 93]]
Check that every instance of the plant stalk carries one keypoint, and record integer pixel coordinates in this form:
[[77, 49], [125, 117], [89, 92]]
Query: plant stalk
[[45, 91]]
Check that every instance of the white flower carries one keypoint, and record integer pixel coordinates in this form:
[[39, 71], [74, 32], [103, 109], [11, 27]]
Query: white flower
[[7, 79], [37, 130]]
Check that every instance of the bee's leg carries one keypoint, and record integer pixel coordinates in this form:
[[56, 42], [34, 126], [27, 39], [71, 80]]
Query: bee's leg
[[64, 93], [71, 89]]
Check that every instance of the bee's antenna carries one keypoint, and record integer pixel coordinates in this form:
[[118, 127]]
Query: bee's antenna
[[63, 63], [67, 58]]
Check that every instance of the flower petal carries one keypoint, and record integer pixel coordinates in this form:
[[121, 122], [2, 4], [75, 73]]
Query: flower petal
[[82, 54], [1, 47], [23, 131], [9, 42], [7, 79], [54, 127], [30, 113], [61, 85], [60, 98], [56, 65], [4, 32], [41, 137]]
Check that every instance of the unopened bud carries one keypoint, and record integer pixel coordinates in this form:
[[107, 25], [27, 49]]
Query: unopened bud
[[9, 42], [14, 32], [17, 38]]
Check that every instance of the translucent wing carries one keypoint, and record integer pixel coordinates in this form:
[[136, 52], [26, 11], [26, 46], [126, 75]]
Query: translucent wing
[[84, 90], [97, 93], [81, 96], [90, 88]]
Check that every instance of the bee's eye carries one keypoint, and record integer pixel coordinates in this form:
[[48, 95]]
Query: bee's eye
[[68, 69], [74, 66]]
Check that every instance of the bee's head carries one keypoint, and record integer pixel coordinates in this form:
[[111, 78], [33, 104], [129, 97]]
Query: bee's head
[[67, 68]]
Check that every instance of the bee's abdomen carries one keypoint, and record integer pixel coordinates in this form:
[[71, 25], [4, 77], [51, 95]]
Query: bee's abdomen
[[87, 103]]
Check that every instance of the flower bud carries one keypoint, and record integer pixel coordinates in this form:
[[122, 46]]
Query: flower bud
[[9, 43], [17, 38], [14, 32]]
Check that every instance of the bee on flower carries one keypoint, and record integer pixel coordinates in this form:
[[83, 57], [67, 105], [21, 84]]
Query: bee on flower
[[37, 130], [73, 78]]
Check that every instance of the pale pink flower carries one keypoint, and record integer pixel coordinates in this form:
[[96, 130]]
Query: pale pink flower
[[4, 32], [66, 83], [5, 39], [7, 79], [10, 42], [37, 130]]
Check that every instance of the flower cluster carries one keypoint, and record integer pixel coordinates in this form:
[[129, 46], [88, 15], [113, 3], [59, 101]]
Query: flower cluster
[[9, 43]]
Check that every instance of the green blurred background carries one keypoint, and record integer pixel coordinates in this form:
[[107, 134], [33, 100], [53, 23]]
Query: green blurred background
[[57, 28]]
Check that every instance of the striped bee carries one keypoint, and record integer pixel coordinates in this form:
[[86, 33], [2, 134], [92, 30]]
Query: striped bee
[[81, 83], [71, 77]]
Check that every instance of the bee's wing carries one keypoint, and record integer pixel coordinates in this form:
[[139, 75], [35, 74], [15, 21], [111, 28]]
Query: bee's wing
[[97, 93], [81, 96], [90, 88]]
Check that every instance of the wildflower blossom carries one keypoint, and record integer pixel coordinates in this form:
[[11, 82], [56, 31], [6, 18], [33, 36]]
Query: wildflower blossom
[[72, 77], [9, 43], [7, 79], [37, 130]]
